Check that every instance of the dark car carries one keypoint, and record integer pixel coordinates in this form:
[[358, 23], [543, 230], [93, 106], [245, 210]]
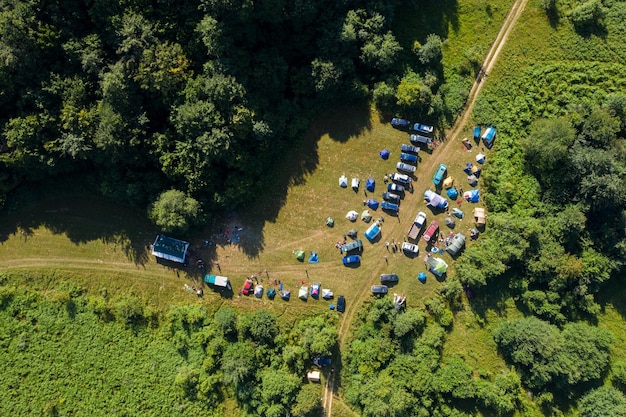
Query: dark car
[[394, 198], [409, 148], [388, 278], [379, 289], [351, 260], [386, 205], [408, 157], [341, 304], [399, 123], [395, 188]]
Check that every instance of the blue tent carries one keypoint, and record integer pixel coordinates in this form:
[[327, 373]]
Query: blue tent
[[371, 203], [370, 184], [468, 168], [477, 132], [314, 258], [473, 196], [384, 154], [421, 277], [452, 193]]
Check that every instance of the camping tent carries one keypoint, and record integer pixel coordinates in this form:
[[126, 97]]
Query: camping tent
[[421, 277], [468, 168], [371, 203], [457, 213], [343, 181], [447, 183], [355, 184], [384, 154], [352, 215], [366, 216], [258, 291], [313, 376], [271, 293], [476, 171], [372, 232], [455, 244], [327, 294], [352, 233], [450, 222], [480, 158], [330, 222], [489, 136], [472, 180], [299, 254], [169, 248], [474, 234], [315, 290], [436, 265], [479, 216], [303, 293], [285, 295], [313, 259], [473, 196], [477, 132], [452, 193], [370, 184], [435, 200]]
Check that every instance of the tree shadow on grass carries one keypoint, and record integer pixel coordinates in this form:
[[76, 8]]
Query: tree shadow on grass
[[491, 297], [79, 215]]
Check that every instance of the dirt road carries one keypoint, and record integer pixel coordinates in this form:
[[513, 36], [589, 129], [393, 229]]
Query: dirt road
[[441, 153]]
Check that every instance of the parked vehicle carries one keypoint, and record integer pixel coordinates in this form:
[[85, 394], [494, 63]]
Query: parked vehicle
[[355, 246], [394, 198], [399, 123], [388, 278], [401, 166], [408, 157], [419, 140], [398, 189], [410, 248], [431, 231], [441, 171], [409, 148], [401, 178], [417, 225], [341, 304], [351, 260], [379, 289], [418, 127], [386, 205]]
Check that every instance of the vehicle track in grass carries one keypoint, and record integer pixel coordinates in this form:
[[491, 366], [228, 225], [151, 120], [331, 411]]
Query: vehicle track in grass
[[443, 151]]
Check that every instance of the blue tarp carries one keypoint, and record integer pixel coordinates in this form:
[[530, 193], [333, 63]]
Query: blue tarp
[[384, 154], [371, 203], [452, 193], [477, 132], [370, 184], [314, 258], [473, 196]]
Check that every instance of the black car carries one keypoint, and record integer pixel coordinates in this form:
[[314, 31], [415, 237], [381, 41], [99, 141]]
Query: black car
[[388, 278], [341, 304], [394, 198], [379, 289], [399, 123]]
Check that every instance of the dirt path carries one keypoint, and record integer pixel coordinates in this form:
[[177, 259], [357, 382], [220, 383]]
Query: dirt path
[[443, 151]]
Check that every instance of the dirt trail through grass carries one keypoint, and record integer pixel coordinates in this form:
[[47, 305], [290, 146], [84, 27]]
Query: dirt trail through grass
[[441, 153]]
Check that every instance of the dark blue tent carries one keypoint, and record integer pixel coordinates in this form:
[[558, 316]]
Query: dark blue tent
[[371, 203], [384, 154], [468, 168], [370, 184], [473, 196]]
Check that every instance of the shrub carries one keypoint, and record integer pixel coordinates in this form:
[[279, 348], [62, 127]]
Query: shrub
[[587, 15]]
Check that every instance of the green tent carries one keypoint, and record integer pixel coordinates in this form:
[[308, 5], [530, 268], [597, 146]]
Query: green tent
[[436, 265], [299, 255], [330, 222]]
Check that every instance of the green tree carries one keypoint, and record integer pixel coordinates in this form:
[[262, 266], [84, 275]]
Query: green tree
[[226, 320], [408, 322], [260, 326], [381, 52], [278, 387], [587, 349], [308, 402], [430, 53], [587, 15], [602, 402], [174, 211], [187, 381], [237, 363]]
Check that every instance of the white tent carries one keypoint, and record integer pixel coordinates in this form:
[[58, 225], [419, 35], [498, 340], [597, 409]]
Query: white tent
[[258, 291], [355, 183], [480, 158], [313, 376], [343, 181], [352, 215], [366, 216], [327, 294]]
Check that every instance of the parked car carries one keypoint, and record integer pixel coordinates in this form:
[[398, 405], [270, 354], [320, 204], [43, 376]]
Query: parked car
[[394, 198], [417, 225], [409, 148], [247, 287], [351, 260], [341, 304], [410, 248], [388, 278], [408, 157], [431, 231], [441, 171], [419, 140], [420, 219], [418, 127], [405, 167], [401, 178], [379, 289], [386, 205], [354, 246], [399, 123], [397, 188]]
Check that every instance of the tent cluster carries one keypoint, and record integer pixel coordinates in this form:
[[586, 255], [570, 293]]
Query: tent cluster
[[300, 255]]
